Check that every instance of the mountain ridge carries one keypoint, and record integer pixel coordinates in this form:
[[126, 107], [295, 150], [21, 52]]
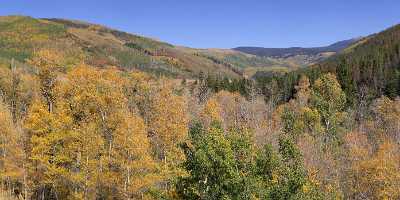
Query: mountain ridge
[[292, 51]]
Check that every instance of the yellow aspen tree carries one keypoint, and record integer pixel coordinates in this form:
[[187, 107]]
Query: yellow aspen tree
[[93, 99], [137, 89], [48, 132], [378, 177], [85, 148], [111, 151], [48, 63], [168, 122], [17, 88], [137, 169], [12, 158], [303, 91], [329, 99], [387, 117], [211, 112]]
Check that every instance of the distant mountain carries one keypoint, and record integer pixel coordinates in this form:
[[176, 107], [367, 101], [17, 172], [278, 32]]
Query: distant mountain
[[294, 51]]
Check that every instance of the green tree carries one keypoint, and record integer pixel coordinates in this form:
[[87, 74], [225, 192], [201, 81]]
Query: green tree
[[218, 166], [228, 166], [329, 100]]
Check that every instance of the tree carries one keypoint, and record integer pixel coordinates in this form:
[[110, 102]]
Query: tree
[[12, 159], [211, 112], [329, 99], [48, 133], [303, 91], [377, 177], [168, 121], [90, 145], [223, 165], [17, 88], [386, 115], [298, 117], [234, 110], [217, 166], [48, 63], [133, 156], [112, 151]]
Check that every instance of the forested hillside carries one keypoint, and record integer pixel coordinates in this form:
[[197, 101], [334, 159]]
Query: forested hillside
[[373, 64], [100, 46], [369, 68]]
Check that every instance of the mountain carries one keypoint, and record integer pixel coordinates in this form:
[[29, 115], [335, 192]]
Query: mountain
[[293, 51], [298, 57]]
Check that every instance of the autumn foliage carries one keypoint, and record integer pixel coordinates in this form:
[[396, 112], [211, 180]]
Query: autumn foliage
[[73, 131]]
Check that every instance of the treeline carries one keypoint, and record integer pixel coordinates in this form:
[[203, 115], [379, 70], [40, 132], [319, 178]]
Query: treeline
[[218, 83], [277, 87]]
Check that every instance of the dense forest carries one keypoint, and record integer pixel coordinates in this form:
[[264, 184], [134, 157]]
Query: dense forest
[[368, 69], [72, 129]]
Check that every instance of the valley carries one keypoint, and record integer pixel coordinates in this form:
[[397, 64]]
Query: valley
[[90, 112]]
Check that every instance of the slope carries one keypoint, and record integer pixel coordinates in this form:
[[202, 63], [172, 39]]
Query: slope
[[100, 46], [298, 57], [367, 69]]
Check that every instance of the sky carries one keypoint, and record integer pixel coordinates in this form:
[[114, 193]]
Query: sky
[[225, 23]]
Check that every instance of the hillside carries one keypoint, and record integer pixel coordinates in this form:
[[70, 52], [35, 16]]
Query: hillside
[[100, 46], [372, 63], [21, 36], [369, 67]]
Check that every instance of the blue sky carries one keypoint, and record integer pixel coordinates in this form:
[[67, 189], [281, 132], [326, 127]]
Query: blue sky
[[225, 23]]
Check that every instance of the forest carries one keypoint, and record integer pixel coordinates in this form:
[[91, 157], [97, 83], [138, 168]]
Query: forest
[[73, 131]]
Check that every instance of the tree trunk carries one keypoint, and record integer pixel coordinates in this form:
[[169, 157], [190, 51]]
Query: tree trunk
[[25, 183]]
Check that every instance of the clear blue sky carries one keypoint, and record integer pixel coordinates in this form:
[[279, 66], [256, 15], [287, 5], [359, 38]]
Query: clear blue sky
[[225, 23]]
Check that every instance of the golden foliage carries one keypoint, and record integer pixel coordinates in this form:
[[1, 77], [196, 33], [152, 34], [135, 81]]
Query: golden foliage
[[168, 120], [211, 112], [11, 148], [379, 176]]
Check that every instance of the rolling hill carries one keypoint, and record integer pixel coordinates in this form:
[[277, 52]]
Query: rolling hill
[[100, 46], [21, 36], [298, 56]]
